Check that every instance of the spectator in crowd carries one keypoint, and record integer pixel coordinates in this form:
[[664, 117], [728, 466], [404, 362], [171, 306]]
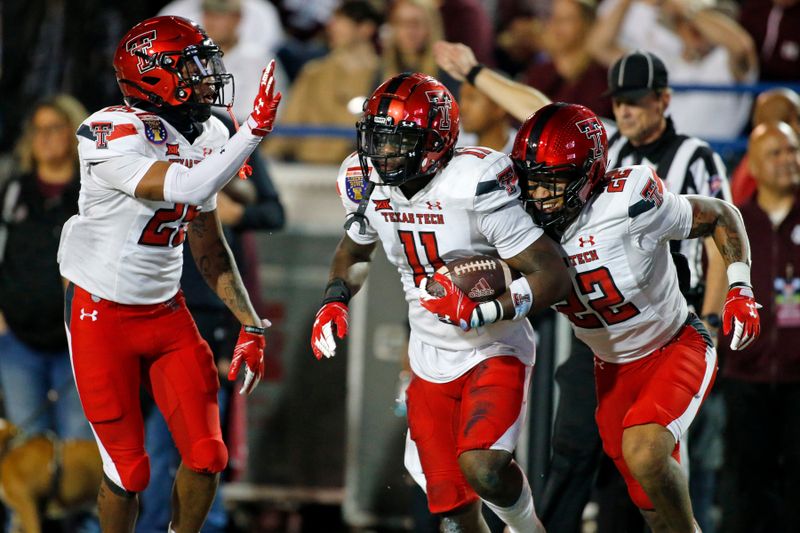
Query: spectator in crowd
[[258, 22], [484, 123], [322, 93], [56, 46], [569, 73], [761, 387], [228, 23], [466, 21], [715, 50], [774, 105], [774, 26], [412, 28], [243, 205], [519, 38], [38, 388]]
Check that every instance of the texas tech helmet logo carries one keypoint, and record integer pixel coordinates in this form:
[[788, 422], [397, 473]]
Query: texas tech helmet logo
[[138, 47], [441, 100], [593, 129]]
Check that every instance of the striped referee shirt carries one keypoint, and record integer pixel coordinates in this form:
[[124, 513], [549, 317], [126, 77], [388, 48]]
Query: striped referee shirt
[[687, 165]]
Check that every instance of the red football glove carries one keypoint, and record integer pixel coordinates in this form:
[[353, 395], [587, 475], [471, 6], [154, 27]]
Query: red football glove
[[266, 103], [250, 349], [454, 307], [329, 315], [740, 313]]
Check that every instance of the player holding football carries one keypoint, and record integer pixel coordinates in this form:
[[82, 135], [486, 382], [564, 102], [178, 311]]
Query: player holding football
[[409, 188], [149, 169], [654, 361]]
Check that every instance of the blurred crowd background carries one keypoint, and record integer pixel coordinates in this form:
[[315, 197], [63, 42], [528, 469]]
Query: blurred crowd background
[[319, 446]]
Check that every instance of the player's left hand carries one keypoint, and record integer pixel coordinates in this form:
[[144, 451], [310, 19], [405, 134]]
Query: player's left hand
[[454, 307], [740, 315], [250, 349], [265, 106]]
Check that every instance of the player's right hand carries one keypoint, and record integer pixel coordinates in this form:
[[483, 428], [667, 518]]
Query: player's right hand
[[740, 316], [265, 106], [329, 315], [454, 58]]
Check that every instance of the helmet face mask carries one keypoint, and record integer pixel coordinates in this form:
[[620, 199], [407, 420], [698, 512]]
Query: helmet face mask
[[408, 130], [170, 61]]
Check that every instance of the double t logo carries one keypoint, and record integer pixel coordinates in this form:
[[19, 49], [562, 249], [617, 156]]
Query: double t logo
[[138, 47]]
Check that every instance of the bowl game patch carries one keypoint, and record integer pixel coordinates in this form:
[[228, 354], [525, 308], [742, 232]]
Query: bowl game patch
[[154, 129], [354, 183]]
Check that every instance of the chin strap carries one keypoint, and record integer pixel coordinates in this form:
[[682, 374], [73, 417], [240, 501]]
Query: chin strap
[[359, 216]]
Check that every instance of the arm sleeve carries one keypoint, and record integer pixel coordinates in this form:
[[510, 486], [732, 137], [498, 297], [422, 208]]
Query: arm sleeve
[[198, 184]]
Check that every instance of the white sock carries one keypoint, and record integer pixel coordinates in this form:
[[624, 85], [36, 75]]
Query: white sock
[[520, 517]]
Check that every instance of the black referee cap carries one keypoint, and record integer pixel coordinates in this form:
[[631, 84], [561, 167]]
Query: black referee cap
[[636, 74]]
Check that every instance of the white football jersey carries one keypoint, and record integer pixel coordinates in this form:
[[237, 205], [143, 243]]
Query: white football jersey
[[122, 248], [625, 301], [470, 207]]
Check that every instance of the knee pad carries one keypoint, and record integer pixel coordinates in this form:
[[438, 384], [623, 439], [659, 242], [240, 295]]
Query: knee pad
[[208, 456], [134, 475]]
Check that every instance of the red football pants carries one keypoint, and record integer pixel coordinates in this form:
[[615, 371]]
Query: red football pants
[[483, 409], [118, 348], [666, 387]]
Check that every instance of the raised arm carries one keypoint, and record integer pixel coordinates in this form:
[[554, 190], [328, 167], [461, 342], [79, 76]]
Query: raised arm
[[720, 30], [349, 269], [602, 41], [176, 183], [458, 60]]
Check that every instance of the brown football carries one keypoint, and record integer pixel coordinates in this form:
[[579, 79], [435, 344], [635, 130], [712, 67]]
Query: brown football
[[482, 277]]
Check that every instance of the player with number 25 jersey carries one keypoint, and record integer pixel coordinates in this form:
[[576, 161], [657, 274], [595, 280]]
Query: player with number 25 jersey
[[425, 201], [150, 172]]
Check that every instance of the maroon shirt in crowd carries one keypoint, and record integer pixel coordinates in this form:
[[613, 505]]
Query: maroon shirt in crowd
[[776, 31], [587, 90], [466, 21], [775, 356]]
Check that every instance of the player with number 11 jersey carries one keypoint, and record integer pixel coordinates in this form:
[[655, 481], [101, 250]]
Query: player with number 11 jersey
[[426, 202]]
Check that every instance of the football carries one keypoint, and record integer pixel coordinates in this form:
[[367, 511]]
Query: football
[[482, 277]]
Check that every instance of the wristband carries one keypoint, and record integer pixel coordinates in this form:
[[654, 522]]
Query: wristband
[[521, 297], [254, 329], [473, 73], [336, 291], [739, 274]]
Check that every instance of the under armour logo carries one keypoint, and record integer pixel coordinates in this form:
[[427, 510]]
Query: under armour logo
[[582, 241], [752, 307], [92, 315], [434, 205], [599, 363]]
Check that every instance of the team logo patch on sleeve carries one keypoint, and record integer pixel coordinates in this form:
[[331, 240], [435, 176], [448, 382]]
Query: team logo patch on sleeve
[[154, 129], [354, 184], [101, 131]]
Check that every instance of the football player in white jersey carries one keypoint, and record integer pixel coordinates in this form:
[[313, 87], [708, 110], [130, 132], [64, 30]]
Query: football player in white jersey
[[150, 169], [408, 187], [654, 361]]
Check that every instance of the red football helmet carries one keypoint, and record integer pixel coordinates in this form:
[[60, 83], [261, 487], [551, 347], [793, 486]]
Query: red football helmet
[[170, 61], [409, 128], [561, 146]]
